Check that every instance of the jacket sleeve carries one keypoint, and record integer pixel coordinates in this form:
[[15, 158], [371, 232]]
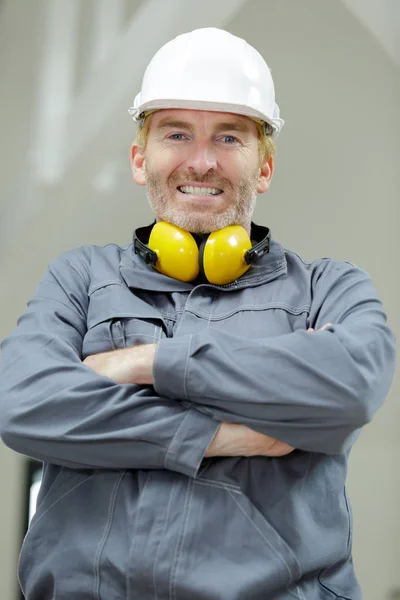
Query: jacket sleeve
[[312, 390], [55, 409]]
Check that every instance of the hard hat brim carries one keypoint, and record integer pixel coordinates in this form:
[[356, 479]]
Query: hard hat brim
[[138, 112]]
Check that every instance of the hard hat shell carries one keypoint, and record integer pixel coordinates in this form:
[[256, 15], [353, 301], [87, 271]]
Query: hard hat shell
[[209, 69]]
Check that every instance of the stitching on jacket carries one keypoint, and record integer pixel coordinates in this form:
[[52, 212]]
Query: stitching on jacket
[[171, 446], [121, 315], [98, 286], [252, 281], [298, 591], [58, 500], [157, 333], [51, 488], [329, 589], [179, 316], [100, 548], [109, 326], [219, 484], [209, 318], [151, 336], [188, 499], [127, 578], [349, 539], [185, 375], [161, 540], [264, 538], [250, 307], [86, 283], [70, 306]]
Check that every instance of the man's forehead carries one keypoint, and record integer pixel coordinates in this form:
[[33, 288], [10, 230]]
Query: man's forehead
[[170, 116]]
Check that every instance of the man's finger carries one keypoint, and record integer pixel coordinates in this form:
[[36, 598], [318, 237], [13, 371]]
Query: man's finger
[[321, 329]]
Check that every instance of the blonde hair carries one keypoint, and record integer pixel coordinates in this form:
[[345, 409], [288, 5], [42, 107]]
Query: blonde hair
[[266, 145]]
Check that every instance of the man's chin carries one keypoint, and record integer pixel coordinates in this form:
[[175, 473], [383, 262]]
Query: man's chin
[[202, 228], [199, 224]]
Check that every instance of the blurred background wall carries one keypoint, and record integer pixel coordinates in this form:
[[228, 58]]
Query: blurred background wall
[[68, 73]]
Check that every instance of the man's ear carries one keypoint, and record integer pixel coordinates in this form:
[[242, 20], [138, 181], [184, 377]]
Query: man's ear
[[265, 176], [137, 165]]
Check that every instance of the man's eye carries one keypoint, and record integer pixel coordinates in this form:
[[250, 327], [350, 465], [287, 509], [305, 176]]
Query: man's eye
[[230, 139], [176, 136]]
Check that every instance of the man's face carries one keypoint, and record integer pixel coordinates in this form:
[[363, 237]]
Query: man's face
[[201, 169]]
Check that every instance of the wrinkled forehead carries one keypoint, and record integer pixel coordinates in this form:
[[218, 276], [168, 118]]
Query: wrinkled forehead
[[193, 119]]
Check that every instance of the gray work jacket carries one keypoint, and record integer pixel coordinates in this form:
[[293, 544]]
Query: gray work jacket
[[129, 508]]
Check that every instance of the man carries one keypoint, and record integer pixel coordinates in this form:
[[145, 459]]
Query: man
[[194, 396]]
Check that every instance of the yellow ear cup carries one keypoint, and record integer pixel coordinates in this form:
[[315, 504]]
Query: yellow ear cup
[[224, 255], [177, 251]]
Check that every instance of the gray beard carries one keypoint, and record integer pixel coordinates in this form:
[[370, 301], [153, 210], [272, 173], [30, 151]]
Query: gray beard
[[239, 213]]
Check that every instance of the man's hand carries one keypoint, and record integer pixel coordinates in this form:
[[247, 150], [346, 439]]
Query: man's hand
[[238, 440], [322, 328], [128, 365], [234, 439]]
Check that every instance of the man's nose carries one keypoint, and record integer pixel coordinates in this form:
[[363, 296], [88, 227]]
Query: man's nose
[[201, 158]]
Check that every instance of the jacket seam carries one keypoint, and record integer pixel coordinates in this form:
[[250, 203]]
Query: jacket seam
[[246, 308], [86, 283], [349, 538], [68, 306], [69, 491], [219, 484], [100, 548], [98, 286], [161, 541], [51, 488], [251, 281], [167, 459], [178, 548], [330, 590], [185, 375], [139, 508], [281, 558]]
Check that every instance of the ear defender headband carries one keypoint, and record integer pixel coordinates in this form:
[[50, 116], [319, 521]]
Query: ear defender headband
[[221, 256]]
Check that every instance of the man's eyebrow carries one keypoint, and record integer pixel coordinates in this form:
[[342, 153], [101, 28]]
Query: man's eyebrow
[[173, 124], [169, 122], [233, 126]]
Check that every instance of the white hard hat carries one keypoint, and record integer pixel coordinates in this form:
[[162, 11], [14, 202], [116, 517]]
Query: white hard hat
[[209, 69]]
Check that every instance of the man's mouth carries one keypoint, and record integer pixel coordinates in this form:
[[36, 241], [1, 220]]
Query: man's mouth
[[199, 191]]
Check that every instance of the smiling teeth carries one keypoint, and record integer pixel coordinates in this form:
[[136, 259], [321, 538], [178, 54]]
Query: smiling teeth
[[199, 191]]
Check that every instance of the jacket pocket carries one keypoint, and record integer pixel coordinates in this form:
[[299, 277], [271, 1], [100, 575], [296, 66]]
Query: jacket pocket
[[45, 533], [340, 582], [118, 319], [228, 550]]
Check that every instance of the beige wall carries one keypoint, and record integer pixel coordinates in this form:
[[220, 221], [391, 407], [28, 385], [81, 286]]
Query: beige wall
[[335, 193]]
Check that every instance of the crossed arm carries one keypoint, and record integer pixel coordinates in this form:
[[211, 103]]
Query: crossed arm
[[309, 390], [136, 365]]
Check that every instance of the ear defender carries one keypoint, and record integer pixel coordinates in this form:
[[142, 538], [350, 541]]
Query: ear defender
[[222, 256], [176, 250]]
